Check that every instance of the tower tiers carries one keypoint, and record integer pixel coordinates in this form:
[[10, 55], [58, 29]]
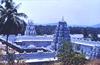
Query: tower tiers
[[61, 33]]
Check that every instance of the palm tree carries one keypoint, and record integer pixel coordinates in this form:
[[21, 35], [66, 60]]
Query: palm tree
[[10, 21]]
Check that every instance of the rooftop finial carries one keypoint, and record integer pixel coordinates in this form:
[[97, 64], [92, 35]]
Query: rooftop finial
[[62, 18]]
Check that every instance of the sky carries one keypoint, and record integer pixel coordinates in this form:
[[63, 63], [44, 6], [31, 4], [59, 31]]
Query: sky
[[75, 12]]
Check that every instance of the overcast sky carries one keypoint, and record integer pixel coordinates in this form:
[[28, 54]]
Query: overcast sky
[[75, 12]]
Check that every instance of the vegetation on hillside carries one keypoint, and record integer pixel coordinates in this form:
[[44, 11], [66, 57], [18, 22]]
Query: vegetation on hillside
[[11, 59], [88, 32], [68, 57]]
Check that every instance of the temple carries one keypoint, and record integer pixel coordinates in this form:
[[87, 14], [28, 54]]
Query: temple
[[30, 29], [33, 48]]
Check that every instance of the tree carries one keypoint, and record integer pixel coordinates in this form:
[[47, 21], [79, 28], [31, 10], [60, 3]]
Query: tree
[[10, 21], [94, 36], [68, 57], [85, 32], [47, 29], [78, 59]]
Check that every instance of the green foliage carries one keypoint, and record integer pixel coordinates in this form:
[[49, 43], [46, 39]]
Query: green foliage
[[85, 32], [78, 59], [10, 21], [68, 57], [48, 29], [66, 48], [94, 37]]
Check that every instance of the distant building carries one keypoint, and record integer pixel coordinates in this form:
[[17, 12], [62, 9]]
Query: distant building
[[30, 29]]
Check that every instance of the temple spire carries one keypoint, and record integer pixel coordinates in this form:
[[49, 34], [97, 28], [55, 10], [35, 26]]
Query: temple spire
[[30, 28], [62, 34], [62, 18]]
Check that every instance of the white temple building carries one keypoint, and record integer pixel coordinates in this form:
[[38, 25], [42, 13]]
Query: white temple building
[[34, 47], [30, 28]]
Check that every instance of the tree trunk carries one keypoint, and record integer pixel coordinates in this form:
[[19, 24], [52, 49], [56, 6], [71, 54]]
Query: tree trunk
[[7, 51], [7, 45]]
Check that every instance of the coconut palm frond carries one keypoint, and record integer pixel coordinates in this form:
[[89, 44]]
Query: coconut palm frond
[[21, 15], [18, 20], [2, 1], [21, 24], [11, 0], [14, 20], [1, 11], [1, 7], [17, 6], [10, 18], [3, 18]]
